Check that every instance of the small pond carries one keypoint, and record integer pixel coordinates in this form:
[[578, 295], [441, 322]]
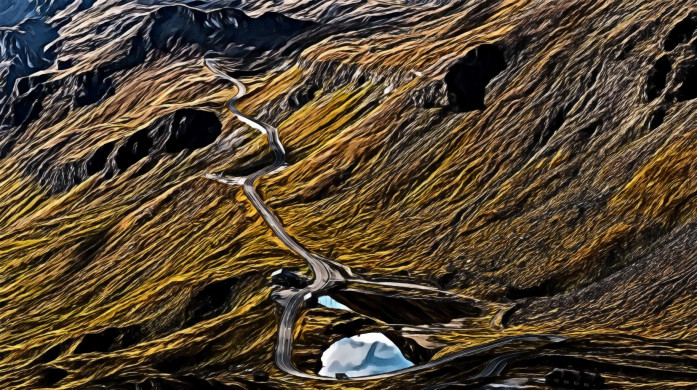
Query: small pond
[[361, 355], [327, 301]]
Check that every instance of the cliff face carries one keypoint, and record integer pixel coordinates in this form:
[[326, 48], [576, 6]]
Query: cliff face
[[531, 154]]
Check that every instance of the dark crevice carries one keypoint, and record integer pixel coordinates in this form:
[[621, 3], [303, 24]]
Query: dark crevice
[[657, 118], [93, 86], [109, 339], [545, 288], [468, 77], [98, 160], [445, 280], [545, 132], [588, 131], [350, 328], [50, 376], [302, 96], [687, 76], [506, 316], [412, 350], [145, 167], [592, 77], [173, 26], [192, 129], [658, 77], [183, 130], [24, 108], [397, 309], [135, 148], [681, 33], [49, 355], [64, 64], [211, 301], [53, 353], [85, 252]]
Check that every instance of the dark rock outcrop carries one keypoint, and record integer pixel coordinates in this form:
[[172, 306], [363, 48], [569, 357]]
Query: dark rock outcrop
[[657, 118], [681, 32], [302, 95], [658, 77], [468, 77], [687, 78], [22, 51], [401, 309], [176, 26], [64, 64], [27, 107], [51, 375], [54, 352], [134, 148], [191, 129], [211, 301], [15, 114], [15, 11], [181, 131], [92, 86], [98, 160], [109, 339]]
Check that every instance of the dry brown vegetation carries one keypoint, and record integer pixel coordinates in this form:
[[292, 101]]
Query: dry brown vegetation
[[570, 194]]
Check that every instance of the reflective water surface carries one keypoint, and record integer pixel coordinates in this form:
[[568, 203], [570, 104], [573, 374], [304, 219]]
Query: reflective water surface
[[327, 301]]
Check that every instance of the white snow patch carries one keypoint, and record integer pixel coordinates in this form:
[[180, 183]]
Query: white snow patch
[[365, 354]]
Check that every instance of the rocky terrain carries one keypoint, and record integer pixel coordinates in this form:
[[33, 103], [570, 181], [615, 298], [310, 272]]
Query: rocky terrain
[[533, 158]]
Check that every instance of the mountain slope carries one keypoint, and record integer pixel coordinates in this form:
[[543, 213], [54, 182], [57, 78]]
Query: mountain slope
[[537, 156]]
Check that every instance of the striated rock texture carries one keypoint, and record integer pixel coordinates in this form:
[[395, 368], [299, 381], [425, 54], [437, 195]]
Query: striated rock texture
[[537, 155]]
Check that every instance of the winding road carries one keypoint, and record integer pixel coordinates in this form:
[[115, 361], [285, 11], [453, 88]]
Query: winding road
[[327, 273]]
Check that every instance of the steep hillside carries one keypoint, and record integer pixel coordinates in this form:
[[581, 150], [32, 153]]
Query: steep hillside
[[535, 158]]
